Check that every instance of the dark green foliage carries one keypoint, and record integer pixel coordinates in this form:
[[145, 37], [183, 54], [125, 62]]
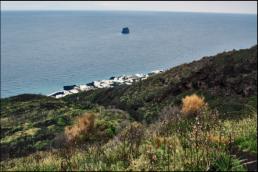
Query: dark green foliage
[[61, 121], [24, 112], [223, 162], [248, 142], [111, 131], [41, 145], [228, 81]]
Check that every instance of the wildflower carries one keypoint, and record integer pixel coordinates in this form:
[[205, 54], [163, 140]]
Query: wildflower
[[154, 157]]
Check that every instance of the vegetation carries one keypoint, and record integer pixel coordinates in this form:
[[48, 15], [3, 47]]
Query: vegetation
[[83, 126], [191, 104], [195, 117]]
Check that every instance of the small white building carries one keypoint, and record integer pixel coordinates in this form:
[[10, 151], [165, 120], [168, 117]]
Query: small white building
[[113, 81]]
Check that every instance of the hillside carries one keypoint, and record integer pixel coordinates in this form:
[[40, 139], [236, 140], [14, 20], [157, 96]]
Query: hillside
[[222, 79], [141, 115]]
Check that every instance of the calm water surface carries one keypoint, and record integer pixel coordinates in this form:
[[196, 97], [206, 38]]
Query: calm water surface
[[42, 51]]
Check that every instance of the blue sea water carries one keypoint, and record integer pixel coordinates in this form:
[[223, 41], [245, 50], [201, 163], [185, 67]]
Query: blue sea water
[[43, 51]]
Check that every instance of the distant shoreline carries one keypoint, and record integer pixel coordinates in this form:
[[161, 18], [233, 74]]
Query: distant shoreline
[[106, 83]]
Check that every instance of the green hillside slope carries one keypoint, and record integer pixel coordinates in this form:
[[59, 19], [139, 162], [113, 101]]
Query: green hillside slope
[[145, 117], [226, 80]]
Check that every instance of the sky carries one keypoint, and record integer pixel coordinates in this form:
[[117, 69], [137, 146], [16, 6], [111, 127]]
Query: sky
[[247, 7]]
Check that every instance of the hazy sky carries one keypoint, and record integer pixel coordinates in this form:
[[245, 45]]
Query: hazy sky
[[191, 6]]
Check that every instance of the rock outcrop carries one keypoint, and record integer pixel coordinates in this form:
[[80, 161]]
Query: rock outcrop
[[125, 30]]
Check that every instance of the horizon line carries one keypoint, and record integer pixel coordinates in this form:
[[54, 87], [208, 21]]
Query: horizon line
[[114, 10]]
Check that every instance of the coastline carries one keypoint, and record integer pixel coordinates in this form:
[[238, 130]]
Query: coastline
[[106, 83]]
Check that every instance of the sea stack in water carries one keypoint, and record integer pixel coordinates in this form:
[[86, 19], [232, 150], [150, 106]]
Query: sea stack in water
[[125, 30]]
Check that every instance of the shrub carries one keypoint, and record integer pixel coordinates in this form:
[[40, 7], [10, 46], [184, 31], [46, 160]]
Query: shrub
[[169, 113], [116, 150], [225, 162], [81, 128], [248, 143], [39, 145], [192, 104], [111, 131], [140, 164], [59, 141], [61, 121], [169, 117], [133, 134], [218, 139], [171, 141]]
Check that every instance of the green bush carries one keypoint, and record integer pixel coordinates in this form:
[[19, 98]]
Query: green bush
[[111, 131], [248, 142], [40, 145], [225, 162], [61, 121]]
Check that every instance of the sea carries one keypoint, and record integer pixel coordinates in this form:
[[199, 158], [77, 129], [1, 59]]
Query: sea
[[41, 51]]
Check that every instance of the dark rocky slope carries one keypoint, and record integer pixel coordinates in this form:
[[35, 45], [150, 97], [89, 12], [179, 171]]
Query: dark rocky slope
[[227, 80]]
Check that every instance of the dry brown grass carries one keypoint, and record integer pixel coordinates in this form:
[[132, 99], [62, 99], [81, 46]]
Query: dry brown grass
[[171, 141], [82, 126], [192, 104], [218, 139]]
